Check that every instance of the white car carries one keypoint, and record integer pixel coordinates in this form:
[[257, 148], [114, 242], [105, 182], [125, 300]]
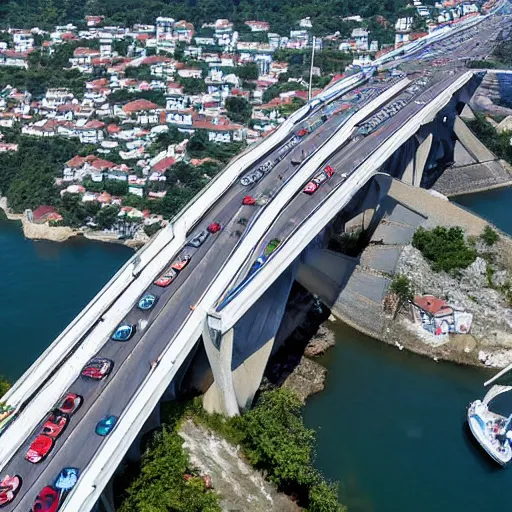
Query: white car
[[251, 178]]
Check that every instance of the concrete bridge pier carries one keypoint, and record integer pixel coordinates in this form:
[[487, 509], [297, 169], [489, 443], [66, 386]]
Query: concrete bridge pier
[[106, 501], [152, 422], [238, 356], [413, 173]]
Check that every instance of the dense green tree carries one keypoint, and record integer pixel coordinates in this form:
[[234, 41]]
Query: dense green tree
[[403, 288], [193, 85], [445, 248], [239, 110], [248, 71], [161, 484], [116, 187], [107, 216], [5, 385]]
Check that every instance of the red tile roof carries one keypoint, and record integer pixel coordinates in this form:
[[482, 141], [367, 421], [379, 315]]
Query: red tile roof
[[139, 106], [113, 128], [81, 51], [164, 164], [155, 59], [42, 212], [433, 305]]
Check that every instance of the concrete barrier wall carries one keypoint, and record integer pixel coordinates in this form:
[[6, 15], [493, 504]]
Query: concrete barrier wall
[[289, 250]]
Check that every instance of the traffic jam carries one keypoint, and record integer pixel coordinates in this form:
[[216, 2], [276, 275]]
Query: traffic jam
[[51, 497]]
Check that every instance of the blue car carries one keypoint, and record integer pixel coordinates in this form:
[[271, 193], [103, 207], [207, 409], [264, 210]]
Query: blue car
[[124, 332], [147, 302], [105, 426], [67, 479]]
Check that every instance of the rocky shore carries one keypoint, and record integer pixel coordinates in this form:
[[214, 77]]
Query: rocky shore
[[481, 289], [34, 231]]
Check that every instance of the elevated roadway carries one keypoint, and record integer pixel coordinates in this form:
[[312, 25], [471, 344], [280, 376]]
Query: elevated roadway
[[170, 331]]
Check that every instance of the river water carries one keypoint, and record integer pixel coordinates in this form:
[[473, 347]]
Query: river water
[[43, 286], [391, 424]]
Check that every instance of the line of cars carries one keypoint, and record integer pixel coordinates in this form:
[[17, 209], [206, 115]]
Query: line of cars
[[313, 185], [51, 497], [255, 175]]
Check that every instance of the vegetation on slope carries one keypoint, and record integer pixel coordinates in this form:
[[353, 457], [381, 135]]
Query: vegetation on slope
[[445, 248], [273, 438], [283, 15]]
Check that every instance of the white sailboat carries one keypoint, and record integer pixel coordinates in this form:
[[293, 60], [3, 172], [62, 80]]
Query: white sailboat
[[492, 430]]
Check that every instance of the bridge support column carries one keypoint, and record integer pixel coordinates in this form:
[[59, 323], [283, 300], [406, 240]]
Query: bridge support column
[[414, 170], [152, 422], [239, 356], [106, 501]]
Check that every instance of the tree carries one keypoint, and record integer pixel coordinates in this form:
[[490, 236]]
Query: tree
[[239, 110], [489, 236], [323, 497], [403, 289], [193, 85], [116, 187], [161, 484], [445, 248], [5, 385], [107, 216], [248, 71]]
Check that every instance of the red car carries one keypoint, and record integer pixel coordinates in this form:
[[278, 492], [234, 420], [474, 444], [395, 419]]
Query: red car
[[9, 488], [329, 171], [39, 449], [214, 227], [167, 278], [249, 200], [302, 132], [181, 263], [313, 185], [55, 424], [47, 500], [70, 403], [97, 368]]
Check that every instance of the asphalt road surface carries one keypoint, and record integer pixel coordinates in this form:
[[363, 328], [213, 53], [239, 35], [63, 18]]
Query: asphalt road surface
[[156, 328]]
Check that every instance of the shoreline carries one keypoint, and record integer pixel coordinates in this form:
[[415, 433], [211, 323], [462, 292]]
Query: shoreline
[[60, 234]]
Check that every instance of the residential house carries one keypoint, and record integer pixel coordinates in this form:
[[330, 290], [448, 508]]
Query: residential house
[[142, 111], [14, 59], [220, 129], [258, 26]]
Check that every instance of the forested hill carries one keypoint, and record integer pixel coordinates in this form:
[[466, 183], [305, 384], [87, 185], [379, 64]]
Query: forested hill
[[282, 14]]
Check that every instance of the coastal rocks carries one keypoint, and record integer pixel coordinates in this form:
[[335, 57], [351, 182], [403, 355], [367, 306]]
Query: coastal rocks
[[495, 359], [240, 487], [307, 379], [491, 331], [45, 232], [320, 343]]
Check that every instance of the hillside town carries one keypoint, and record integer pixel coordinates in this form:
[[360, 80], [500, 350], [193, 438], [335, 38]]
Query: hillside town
[[153, 105]]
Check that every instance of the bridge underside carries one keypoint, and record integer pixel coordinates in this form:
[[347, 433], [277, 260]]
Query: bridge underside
[[238, 357]]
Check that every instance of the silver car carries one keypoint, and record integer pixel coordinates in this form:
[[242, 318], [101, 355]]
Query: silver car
[[251, 178], [199, 239]]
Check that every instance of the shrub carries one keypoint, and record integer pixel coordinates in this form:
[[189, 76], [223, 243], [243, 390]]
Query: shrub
[[444, 248], [5, 385], [489, 236]]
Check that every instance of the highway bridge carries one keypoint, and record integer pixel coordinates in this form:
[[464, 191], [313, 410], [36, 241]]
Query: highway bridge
[[233, 291]]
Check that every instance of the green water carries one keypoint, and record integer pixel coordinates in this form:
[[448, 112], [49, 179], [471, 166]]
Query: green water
[[391, 424], [43, 286]]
